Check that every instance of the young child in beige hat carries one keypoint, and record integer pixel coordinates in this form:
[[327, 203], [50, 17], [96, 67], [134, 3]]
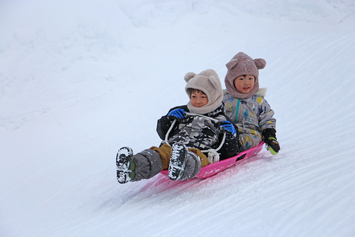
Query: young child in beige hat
[[195, 132], [245, 103]]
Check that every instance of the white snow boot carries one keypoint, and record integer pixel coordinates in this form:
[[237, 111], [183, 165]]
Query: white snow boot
[[123, 163], [183, 163]]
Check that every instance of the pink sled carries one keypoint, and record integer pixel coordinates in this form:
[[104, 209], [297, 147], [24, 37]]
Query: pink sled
[[217, 167]]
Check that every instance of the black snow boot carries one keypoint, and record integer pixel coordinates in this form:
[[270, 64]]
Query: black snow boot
[[177, 161], [183, 164], [125, 165]]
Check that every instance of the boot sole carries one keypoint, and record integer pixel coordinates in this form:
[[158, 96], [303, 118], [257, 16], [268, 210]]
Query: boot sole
[[177, 161], [123, 162]]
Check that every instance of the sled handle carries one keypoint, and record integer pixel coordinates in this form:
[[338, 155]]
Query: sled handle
[[213, 119], [168, 132], [173, 123]]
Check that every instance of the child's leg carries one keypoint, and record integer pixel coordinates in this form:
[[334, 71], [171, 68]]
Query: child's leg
[[248, 140], [184, 164], [150, 162], [147, 164], [203, 157], [143, 165], [193, 166], [165, 154]]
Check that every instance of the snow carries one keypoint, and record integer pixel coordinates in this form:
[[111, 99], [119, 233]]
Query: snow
[[80, 79]]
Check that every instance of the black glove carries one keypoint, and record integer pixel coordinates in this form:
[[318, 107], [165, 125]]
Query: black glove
[[272, 144]]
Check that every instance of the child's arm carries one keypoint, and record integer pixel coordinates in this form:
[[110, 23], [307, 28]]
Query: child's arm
[[268, 126], [265, 117], [165, 121], [231, 144], [269, 136]]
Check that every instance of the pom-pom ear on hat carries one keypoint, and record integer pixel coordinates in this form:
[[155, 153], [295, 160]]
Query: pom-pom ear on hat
[[189, 76], [232, 64], [260, 63], [214, 82]]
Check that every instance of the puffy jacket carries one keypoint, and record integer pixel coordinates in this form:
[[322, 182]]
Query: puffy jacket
[[197, 131], [252, 116]]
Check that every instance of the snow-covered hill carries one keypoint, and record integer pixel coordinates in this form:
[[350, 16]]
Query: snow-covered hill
[[80, 79]]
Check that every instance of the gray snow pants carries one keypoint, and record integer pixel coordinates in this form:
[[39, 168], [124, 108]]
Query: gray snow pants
[[148, 164], [151, 161]]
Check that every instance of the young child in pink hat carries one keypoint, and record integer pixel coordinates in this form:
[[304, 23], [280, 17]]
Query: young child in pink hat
[[245, 103]]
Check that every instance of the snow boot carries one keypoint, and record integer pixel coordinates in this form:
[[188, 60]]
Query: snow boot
[[143, 165], [124, 165], [193, 166], [183, 163]]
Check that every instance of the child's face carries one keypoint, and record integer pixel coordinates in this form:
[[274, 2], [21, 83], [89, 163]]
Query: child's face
[[245, 83], [198, 99]]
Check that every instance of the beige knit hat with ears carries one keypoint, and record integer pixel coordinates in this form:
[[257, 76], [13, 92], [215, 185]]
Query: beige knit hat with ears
[[208, 82], [242, 64]]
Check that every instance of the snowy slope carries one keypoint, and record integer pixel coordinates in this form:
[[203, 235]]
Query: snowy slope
[[81, 79]]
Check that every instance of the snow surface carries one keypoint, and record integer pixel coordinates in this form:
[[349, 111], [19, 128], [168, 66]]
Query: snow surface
[[80, 79]]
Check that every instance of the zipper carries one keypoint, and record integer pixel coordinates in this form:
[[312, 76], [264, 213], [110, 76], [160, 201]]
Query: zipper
[[236, 112]]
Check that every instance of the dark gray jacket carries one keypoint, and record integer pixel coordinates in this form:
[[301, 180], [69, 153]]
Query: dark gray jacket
[[197, 131]]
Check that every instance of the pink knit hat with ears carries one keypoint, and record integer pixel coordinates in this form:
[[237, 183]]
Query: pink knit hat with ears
[[208, 82], [242, 64]]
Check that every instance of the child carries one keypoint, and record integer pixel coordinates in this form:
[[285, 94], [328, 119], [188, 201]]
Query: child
[[245, 103], [194, 137]]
